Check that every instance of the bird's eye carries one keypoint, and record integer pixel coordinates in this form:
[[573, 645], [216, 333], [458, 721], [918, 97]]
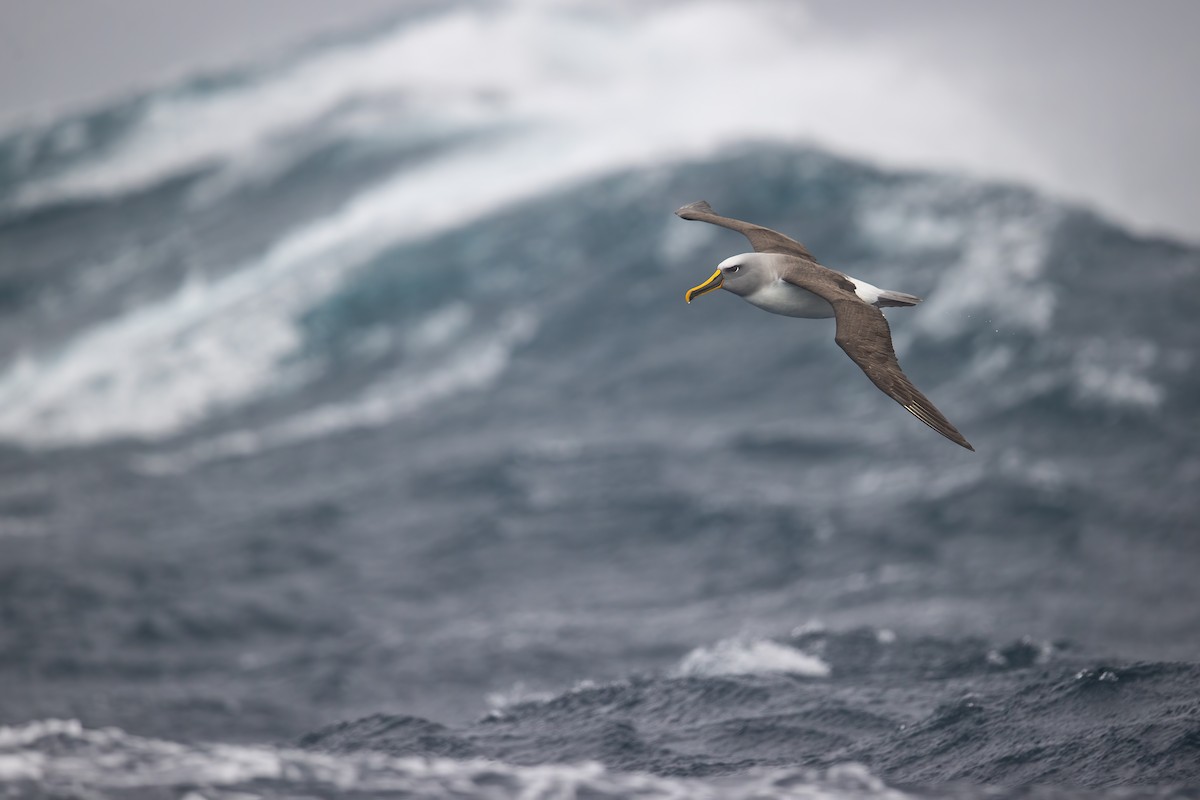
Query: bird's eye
[[732, 269]]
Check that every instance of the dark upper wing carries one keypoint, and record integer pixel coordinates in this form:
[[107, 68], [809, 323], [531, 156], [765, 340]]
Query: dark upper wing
[[863, 333], [763, 240]]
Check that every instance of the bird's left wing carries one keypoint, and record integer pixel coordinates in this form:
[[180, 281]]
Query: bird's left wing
[[763, 240], [863, 332]]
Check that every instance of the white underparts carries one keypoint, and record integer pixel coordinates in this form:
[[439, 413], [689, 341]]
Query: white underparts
[[780, 297]]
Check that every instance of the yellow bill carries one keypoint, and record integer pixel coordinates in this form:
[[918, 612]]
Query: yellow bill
[[710, 285]]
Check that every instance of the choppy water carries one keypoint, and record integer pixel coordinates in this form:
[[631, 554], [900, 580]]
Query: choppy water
[[356, 440]]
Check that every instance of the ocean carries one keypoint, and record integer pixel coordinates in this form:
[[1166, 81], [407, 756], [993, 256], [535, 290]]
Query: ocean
[[356, 441]]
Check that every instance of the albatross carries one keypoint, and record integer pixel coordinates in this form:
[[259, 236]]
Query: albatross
[[782, 277]]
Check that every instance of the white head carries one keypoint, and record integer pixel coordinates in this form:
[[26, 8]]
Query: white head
[[741, 274]]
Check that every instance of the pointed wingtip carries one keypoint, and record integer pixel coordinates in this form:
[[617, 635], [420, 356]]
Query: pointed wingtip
[[938, 423], [691, 209], [953, 435]]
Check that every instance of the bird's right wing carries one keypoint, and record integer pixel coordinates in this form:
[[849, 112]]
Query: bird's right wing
[[763, 240], [864, 334]]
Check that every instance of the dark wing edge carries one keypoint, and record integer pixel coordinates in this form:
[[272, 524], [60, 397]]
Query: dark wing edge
[[863, 332], [763, 240]]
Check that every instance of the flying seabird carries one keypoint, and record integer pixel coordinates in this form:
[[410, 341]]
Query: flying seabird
[[782, 277]]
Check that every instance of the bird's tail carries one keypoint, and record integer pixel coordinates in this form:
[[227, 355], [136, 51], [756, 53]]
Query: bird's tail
[[888, 298]]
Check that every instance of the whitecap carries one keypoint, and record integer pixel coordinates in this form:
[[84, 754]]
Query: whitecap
[[998, 279], [1114, 371], [475, 365], [21, 735], [748, 657]]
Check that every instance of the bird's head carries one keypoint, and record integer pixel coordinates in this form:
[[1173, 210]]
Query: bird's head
[[743, 274]]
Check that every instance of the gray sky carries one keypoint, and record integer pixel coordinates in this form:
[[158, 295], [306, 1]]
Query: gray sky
[[1103, 90], [1107, 89], [56, 53]]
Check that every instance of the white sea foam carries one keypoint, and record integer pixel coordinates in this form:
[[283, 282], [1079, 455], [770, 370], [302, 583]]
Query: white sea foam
[[1114, 373], [474, 365], [516, 694], [159, 368], [751, 656], [999, 277], [243, 125], [21, 766], [100, 762], [22, 735]]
